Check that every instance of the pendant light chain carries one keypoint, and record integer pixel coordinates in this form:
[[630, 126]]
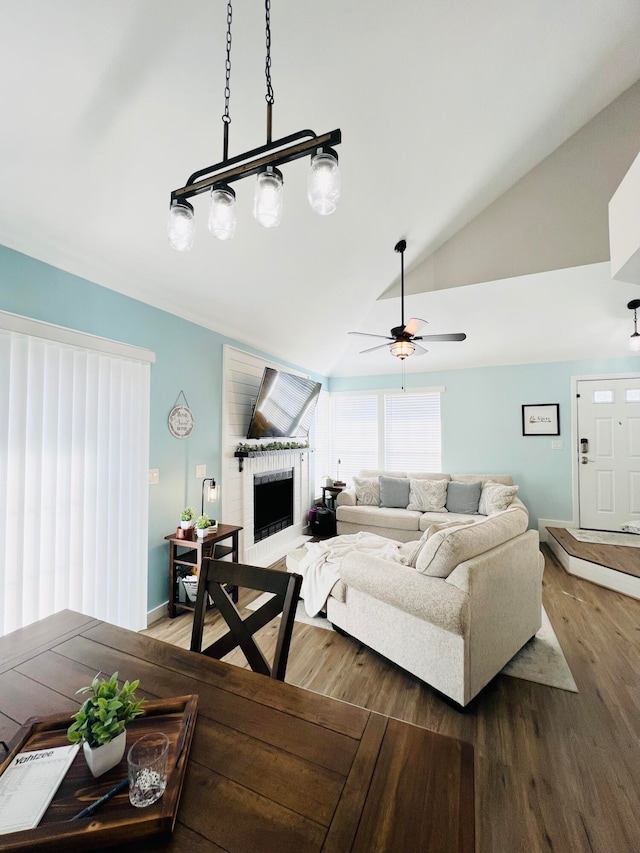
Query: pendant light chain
[[226, 118], [267, 68]]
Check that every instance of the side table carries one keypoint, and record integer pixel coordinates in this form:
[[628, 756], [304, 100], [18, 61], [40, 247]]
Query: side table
[[333, 491], [186, 555]]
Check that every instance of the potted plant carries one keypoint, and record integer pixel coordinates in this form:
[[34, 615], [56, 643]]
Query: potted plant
[[202, 525], [100, 723], [186, 517]]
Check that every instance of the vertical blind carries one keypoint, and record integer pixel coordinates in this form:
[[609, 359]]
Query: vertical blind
[[74, 433]]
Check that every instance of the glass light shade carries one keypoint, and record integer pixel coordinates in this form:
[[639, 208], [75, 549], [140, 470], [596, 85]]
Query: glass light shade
[[267, 204], [634, 342], [181, 226], [213, 493], [323, 184], [222, 213], [402, 349]]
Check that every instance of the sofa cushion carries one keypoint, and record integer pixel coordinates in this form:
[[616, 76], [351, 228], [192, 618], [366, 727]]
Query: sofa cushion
[[429, 518], [394, 492], [464, 497], [495, 497], [427, 495], [374, 516], [367, 491], [449, 547]]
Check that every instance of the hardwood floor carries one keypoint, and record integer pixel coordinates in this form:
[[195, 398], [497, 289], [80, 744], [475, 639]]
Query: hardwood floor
[[554, 771]]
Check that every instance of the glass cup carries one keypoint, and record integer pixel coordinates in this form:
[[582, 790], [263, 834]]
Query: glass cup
[[147, 763]]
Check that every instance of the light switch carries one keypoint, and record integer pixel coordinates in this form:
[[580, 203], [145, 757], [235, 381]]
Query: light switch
[[201, 471], [556, 445], [154, 476]]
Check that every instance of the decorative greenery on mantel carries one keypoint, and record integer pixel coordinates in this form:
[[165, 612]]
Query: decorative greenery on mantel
[[249, 450], [254, 449]]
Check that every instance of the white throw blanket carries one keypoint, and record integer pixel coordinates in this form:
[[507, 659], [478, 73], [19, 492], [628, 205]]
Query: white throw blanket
[[320, 566]]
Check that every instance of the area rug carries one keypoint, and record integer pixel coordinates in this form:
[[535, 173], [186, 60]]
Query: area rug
[[541, 659], [605, 537]]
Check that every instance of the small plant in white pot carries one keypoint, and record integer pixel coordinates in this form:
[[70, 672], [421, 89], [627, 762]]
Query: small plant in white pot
[[100, 723], [202, 525], [186, 517]]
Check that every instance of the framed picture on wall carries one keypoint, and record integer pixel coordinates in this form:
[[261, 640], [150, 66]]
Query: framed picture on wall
[[541, 419]]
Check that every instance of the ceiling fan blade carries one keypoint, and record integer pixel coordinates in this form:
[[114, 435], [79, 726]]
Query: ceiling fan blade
[[414, 325], [372, 349], [455, 336], [418, 350], [370, 335]]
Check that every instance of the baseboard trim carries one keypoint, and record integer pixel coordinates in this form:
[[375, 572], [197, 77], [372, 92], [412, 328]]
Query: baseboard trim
[[157, 613]]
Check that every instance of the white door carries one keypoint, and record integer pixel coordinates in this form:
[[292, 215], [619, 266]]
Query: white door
[[609, 462]]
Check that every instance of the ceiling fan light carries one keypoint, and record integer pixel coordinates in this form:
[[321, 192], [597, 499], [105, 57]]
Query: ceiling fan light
[[222, 212], [402, 349], [267, 204], [634, 342], [323, 184], [181, 227]]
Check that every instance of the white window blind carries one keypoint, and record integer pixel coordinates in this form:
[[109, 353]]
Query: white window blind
[[412, 437], [74, 433], [354, 434], [321, 442]]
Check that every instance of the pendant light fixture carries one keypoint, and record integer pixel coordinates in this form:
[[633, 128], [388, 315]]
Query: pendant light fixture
[[634, 340], [323, 185]]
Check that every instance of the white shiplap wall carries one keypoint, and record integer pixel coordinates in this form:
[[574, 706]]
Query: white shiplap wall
[[242, 373]]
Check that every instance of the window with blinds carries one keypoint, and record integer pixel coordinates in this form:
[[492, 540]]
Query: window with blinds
[[390, 431], [412, 437], [322, 464], [354, 434]]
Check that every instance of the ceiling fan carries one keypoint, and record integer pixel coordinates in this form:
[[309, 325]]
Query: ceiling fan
[[403, 337]]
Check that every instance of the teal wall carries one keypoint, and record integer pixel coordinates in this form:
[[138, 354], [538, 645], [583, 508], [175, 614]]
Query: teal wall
[[482, 423], [188, 358]]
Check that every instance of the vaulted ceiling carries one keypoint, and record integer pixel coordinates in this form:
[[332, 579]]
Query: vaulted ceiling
[[457, 118]]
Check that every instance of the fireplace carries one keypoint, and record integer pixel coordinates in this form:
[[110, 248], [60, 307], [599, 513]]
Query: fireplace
[[272, 503]]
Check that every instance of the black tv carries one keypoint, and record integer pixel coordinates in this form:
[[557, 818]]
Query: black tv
[[284, 406]]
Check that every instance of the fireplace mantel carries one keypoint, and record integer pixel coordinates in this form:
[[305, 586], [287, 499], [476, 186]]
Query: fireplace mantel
[[241, 455]]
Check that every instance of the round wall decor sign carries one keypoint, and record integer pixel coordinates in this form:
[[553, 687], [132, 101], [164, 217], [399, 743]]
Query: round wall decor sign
[[181, 421]]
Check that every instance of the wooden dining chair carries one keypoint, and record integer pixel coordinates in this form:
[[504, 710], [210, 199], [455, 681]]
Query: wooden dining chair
[[285, 586]]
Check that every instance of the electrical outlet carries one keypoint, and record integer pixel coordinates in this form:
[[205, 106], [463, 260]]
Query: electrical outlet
[[154, 476], [556, 445], [201, 471]]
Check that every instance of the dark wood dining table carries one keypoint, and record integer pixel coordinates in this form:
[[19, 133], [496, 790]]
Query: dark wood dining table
[[272, 767]]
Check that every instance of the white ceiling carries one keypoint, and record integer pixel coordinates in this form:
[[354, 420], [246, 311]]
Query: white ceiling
[[443, 105]]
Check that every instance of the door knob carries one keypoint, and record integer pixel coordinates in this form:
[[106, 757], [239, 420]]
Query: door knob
[[584, 460]]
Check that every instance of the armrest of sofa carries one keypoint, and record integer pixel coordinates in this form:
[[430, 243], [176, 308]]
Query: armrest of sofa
[[516, 563], [403, 587], [347, 497]]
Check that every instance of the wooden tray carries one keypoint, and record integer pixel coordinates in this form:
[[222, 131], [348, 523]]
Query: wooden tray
[[117, 821]]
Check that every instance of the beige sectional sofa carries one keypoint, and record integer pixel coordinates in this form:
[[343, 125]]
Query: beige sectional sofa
[[401, 523], [469, 599]]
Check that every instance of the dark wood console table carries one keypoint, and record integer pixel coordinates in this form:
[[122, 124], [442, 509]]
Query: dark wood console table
[[186, 555]]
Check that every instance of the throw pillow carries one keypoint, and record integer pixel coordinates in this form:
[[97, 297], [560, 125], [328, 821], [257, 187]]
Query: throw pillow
[[428, 495], [394, 491], [414, 554], [464, 497], [367, 491], [434, 542], [495, 497]]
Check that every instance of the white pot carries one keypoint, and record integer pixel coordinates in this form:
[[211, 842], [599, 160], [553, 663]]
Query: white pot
[[103, 758], [202, 532], [185, 525]]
